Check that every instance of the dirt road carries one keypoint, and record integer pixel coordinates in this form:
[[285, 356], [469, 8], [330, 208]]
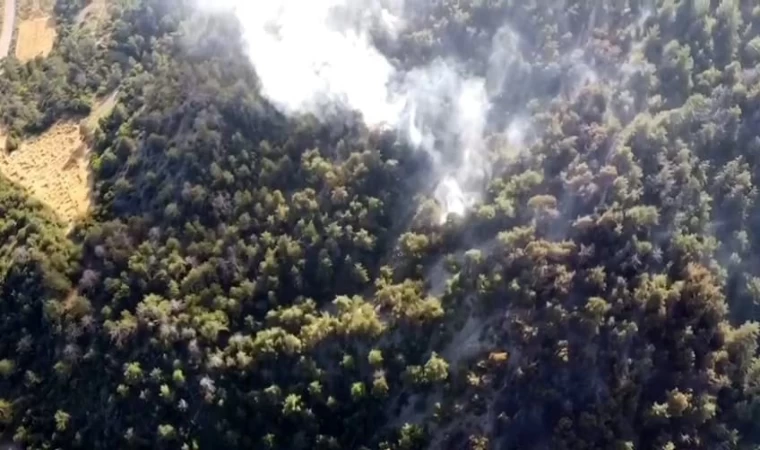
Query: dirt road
[[9, 17]]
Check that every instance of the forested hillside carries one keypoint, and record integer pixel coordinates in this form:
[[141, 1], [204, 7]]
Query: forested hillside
[[250, 276]]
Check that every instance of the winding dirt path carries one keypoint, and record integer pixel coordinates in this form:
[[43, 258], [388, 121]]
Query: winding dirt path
[[9, 19]]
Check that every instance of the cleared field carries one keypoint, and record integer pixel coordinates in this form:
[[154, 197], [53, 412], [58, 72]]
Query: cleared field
[[54, 167], [35, 38]]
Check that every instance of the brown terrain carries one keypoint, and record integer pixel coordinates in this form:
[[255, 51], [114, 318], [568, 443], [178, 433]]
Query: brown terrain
[[36, 29], [54, 166]]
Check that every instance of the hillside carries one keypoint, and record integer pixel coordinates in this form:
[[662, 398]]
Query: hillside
[[381, 224]]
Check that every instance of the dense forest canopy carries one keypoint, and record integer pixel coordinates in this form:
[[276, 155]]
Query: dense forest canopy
[[545, 238]]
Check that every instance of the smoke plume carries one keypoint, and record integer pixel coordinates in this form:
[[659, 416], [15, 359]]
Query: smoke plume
[[318, 56]]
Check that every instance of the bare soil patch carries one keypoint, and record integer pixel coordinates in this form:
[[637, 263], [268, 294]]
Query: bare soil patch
[[35, 38], [54, 168]]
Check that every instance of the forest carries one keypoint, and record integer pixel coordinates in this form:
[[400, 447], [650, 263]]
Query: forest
[[249, 277]]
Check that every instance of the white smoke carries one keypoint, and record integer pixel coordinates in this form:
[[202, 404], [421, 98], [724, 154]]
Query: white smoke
[[445, 114], [516, 132], [505, 55], [315, 56], [309, 58]]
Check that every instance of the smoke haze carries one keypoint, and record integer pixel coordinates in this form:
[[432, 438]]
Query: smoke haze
[[318, 56]]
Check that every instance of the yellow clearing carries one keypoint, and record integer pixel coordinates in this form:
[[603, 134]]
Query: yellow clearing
[[35, 38], [54, 167]]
